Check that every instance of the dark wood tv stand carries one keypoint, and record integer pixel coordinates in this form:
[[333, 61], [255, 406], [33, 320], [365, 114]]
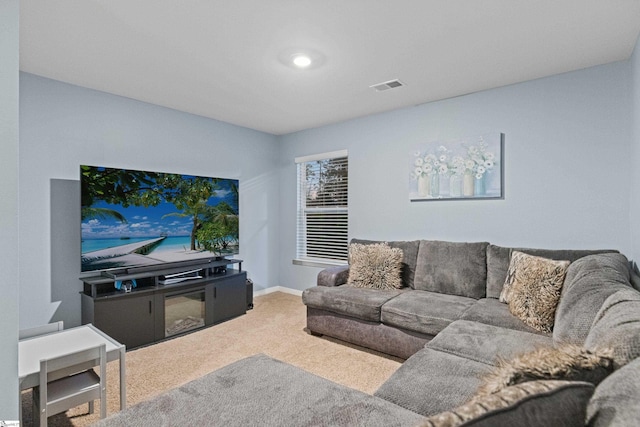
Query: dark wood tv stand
[[161, 307]]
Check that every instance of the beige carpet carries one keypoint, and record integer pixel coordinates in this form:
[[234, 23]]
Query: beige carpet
[[274, 327]]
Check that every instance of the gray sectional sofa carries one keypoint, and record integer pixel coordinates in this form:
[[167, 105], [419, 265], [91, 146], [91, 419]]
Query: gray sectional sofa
[[444, 282], [449, 325]]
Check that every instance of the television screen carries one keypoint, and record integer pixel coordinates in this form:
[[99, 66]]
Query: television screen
[[135, 218]]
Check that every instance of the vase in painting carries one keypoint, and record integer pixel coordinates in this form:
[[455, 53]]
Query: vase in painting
[[424, 185], [479, 186], [468, 184], [435, 185], [455, 186]]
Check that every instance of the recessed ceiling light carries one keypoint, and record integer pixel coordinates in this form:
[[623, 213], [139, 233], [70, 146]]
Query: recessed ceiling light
[[301, 60]]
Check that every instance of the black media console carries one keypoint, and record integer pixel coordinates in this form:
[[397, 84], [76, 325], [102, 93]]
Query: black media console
[[143, 305]]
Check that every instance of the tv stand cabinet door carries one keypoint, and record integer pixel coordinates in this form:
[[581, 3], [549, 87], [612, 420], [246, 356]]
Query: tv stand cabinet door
[[129, 320], [229, 297]]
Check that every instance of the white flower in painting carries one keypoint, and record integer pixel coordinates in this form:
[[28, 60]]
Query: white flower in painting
[[430, 158], [479, 161], [436, 163], [443, 158], [443, 149], [443, 169], [427, 168], [458, 161], [418, 170], [416, 153], [419, 161]]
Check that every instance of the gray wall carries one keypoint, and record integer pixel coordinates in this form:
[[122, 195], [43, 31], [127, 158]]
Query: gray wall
[[9, 235], [635, 167], [567, 167], [63, 126]]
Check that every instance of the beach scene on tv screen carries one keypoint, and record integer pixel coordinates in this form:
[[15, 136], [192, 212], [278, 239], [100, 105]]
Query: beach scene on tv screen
[[135, 218]]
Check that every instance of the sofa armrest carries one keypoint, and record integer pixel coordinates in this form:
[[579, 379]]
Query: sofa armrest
[[333, 276]]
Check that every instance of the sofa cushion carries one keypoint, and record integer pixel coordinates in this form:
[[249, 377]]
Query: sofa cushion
[[589, 282], [535, 403], [374, 335], [490, 311], [260, 390], [498, 258], [485, 343], [616, 400], [355, 302], [409, 257], [431, 381], [452, 268], [424, 312], [617, 325], [567, 362], [534, 290], [375, 266]]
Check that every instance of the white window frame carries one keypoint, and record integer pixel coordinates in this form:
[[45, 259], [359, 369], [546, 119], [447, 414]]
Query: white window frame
[[302, 258]]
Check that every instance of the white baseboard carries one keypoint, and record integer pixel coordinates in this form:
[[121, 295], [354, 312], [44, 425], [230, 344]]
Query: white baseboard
[[277, 289]]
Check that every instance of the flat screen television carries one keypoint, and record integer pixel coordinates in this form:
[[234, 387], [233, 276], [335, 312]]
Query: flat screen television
[[134, 218]]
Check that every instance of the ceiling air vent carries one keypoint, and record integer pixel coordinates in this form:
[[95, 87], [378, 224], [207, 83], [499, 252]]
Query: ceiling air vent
[[391, 84]]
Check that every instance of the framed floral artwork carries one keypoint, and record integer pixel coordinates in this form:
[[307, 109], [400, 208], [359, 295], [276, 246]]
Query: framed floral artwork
[[469, 168]]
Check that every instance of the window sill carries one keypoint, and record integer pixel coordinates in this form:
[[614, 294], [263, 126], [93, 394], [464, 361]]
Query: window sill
[[324, 263]]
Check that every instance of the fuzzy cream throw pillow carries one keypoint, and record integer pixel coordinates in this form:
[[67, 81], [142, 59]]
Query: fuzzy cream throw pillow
[[532, 289], [376, 266], [565, 362]]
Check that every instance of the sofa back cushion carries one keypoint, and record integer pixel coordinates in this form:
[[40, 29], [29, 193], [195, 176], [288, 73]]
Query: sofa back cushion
[[615, 401], [534, 403], [498, 258], [617, 326], [409, 256], [452, 268], [589, 282]]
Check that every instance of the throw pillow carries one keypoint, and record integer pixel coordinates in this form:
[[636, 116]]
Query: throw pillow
[[523, 266], [532, 289], [564, 362], [377, 266], [535, 403]]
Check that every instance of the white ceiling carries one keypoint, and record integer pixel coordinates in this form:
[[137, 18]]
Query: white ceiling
[[219, 59]]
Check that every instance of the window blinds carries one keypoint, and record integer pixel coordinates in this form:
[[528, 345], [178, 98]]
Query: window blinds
[[323, 210]]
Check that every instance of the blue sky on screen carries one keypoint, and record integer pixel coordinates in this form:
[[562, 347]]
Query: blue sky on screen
[[148, 222]]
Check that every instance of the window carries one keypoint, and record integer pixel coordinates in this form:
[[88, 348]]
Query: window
[[323, 211]]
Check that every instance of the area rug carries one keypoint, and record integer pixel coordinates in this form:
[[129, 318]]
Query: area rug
[[262, 391], [274, 327]]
